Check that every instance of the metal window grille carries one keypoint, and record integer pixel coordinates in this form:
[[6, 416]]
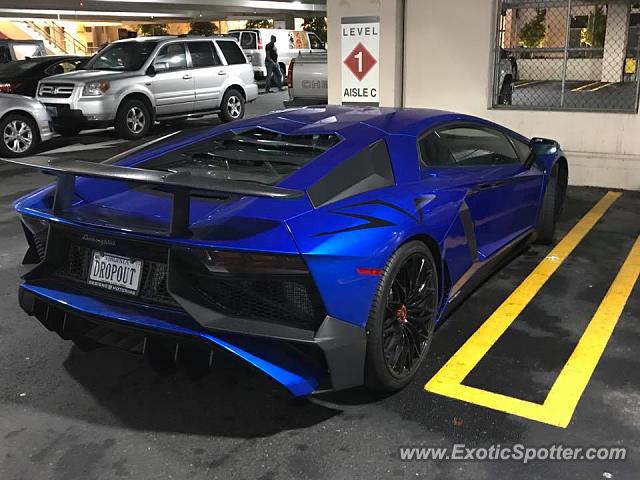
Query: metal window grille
[[567, 55]]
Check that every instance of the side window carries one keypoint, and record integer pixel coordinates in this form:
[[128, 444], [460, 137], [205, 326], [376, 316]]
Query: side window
[[203, 54], [248, 41], [433, 151], [173, 55], [315, 42], [522, 148], [232, 52], [477, 146]]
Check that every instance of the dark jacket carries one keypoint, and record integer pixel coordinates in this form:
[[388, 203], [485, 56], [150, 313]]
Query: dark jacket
[[271, 52]]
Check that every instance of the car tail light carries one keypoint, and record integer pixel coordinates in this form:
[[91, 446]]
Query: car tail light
[[249, 262], [9, 87], [260, 46], [290, 73]]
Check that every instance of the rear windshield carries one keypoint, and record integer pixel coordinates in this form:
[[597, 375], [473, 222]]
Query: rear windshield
[[256, 155]]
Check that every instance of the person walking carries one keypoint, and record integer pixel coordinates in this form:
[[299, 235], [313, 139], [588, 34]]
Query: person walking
[[271, 62]]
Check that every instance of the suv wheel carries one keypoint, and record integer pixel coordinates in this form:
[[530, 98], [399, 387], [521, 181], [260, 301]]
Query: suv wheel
[[133, 119], [232, 106], [19, 136]]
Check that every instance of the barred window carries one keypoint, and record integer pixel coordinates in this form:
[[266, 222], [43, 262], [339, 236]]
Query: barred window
[[567, 55]]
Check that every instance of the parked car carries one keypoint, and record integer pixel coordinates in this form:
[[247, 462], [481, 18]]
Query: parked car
[[308, 80], [22, 76], [132, 83], [288, 42], [24, 123], [12, 50], [321, 245]]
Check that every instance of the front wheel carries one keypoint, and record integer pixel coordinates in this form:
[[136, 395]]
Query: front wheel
[[232, 106], [19, 136], [402, 318], [550, 208], [133, 119]]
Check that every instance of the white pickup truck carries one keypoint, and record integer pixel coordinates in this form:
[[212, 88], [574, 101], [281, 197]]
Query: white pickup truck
[[307, 80]]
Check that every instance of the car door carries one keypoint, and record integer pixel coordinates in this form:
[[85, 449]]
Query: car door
[[502, 187], [173, 85], [207, 74]]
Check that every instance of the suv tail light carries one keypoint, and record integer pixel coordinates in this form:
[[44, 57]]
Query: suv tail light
[[260, 46], [9, 87], [290, 73]]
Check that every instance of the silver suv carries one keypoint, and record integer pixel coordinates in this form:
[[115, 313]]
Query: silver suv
[[132, 83]]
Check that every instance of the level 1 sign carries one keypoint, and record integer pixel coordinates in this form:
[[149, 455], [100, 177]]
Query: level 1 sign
[[360, 67]]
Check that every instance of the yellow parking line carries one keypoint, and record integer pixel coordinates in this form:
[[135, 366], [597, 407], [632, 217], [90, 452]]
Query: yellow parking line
[[575, 375], [584, 87], [526, 83], [600, 87], [448, 380]]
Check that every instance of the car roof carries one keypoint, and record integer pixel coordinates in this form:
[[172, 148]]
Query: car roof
[[343, 119], [166, 38]]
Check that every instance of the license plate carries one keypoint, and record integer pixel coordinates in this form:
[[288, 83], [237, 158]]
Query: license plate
[[52, 111], [120, 274]]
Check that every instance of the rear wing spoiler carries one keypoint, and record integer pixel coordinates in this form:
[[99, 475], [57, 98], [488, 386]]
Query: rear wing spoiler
[[180, 184]]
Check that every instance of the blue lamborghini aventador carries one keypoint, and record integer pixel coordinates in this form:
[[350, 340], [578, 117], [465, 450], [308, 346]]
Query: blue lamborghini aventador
[[320, 245]]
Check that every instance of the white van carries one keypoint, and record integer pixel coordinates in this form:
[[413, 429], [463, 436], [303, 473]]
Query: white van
[[288, 42]]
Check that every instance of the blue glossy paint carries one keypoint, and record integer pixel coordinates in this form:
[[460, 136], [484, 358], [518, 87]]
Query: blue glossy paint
[[424, 204]]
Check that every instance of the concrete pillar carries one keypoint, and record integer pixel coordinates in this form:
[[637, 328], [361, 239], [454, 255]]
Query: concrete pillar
[[615, 42], [391, 13]]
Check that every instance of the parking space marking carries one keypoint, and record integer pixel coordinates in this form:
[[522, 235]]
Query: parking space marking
[[601, 87], [585, 87], [448, 380], [526, 83], [575, 375], [81, 147]]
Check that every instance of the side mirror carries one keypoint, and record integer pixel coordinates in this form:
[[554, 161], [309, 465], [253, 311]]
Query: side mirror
[[151, 71], [543, 146], [543, 152], [160, 67]]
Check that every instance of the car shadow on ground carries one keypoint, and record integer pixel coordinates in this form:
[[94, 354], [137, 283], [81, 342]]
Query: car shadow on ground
[[231, 401]]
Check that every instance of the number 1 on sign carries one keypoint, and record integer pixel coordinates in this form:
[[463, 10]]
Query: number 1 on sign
[[359, 57]]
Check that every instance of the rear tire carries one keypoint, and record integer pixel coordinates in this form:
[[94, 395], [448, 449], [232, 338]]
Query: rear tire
[[19, 136], [402, 318], [550, 209], [133, 119], [506, 92], [232, 106]]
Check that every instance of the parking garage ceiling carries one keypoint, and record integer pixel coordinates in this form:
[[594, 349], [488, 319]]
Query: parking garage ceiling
[[160, 10]]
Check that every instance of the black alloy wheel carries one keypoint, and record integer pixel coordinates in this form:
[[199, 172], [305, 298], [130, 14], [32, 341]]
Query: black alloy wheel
[[402, 321]]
